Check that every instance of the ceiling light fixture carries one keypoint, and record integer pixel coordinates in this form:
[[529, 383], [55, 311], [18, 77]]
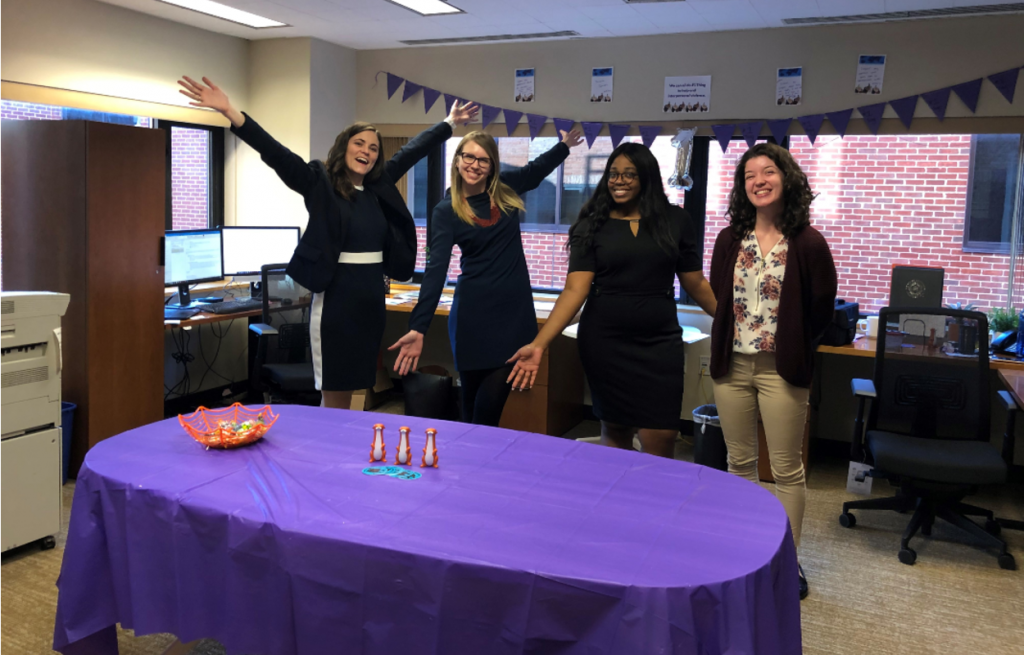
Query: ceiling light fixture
[[428, 7], [224, 12]]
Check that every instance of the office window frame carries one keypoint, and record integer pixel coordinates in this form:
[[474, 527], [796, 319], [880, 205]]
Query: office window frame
[[215, 172], [987, 247]]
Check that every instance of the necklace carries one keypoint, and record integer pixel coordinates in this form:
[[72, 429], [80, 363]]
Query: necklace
[[495, 215]]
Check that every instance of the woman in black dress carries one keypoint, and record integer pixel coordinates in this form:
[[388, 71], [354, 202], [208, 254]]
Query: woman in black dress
[[625, 249], [359, 230], [492, 312]]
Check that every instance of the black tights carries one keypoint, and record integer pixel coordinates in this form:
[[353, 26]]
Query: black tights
[[484, 393]]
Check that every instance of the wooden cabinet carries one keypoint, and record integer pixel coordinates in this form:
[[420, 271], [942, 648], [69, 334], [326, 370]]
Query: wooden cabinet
[[555, 403], [83, 213]]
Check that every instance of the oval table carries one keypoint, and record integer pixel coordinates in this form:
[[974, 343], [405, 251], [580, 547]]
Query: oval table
[[516, 543]]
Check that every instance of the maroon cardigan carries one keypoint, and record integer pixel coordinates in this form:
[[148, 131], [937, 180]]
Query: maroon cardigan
[[806, 305]]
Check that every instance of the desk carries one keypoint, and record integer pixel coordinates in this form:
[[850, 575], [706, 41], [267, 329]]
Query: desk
[[202, 319], [866, 347], [518, 542], [1014, 381]]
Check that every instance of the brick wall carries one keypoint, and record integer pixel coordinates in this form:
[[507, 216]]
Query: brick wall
[[190, 165], [24, 111]]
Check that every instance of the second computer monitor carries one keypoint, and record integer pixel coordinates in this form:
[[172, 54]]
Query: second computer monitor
[[246, 249]]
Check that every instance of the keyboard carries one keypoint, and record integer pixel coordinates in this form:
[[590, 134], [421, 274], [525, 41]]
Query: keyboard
[[232, 306], [179, 314]]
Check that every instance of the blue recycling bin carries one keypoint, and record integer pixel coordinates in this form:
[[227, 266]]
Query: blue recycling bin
[[67, 417]]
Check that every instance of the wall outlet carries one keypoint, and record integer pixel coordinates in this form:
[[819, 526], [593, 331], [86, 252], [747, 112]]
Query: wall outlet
[[705, 365]]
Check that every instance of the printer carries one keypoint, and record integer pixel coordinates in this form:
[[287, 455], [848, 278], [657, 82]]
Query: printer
[[30, 417]]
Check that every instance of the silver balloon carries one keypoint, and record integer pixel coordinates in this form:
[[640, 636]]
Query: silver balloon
[[683, 142]]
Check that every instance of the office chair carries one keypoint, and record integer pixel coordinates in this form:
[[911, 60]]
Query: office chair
[[928, 428], [283, 366]]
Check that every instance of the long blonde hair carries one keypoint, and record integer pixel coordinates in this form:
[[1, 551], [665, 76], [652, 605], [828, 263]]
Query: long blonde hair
[[501, 194]]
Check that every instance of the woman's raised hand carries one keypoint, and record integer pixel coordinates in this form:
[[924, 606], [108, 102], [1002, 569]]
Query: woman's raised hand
[[411, 348], [572, 138], [463, 114], [209, 96], [527, 361]]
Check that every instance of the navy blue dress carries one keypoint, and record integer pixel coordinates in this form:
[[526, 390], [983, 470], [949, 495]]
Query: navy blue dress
[[492, 314]]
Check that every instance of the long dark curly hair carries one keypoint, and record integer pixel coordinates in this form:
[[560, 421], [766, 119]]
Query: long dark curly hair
[[654, 204], [338, 169], [796, 193]]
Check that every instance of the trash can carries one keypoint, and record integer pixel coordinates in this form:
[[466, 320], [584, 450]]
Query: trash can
[[709, 444], [67, 417]]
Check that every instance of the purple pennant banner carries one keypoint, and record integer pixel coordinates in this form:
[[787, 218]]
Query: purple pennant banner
[[562, 125], [724, 134], [811, 125], [779, 129], [841, 120], [617, 132], [968, 92], [512, 120], [429, 98], [489, 113], [536, 123], [394, 82], [410, 90], [937, 101], [872, 115], [648, 133], [1006, 82], [449, 100], [750, 132], [904, 108], [591, 130]]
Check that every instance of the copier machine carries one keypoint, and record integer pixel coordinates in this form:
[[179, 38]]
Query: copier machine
[[30, 443]]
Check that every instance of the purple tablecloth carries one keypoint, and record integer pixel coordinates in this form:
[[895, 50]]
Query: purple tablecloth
[[517, 543]]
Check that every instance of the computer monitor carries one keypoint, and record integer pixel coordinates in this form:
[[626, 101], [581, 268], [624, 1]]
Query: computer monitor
[[246, 249], [191, 257], [916, 286]]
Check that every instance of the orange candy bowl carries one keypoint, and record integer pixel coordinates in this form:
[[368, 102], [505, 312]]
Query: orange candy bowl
[[229, 427]]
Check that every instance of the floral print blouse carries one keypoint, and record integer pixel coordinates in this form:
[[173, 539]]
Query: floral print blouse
[[757, 286]]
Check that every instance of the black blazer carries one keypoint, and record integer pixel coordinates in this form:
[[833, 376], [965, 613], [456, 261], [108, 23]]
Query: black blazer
[[316, 256]]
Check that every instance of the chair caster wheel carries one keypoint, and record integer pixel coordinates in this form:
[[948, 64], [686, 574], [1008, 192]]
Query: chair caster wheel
[[993, 527], [908, 555], [48, 543], [847, 520], [1007, 562]]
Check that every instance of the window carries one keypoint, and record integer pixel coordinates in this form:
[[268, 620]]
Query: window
[[991, 192]]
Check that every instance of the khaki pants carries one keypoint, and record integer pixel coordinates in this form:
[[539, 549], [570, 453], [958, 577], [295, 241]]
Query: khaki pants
[[753, 383]]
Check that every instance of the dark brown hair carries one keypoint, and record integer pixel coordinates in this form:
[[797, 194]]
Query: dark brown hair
[[796, 193], [337, 169]]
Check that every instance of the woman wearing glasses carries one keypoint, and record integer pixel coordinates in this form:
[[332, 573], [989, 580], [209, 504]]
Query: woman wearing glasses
[[625, 249], [492, 313]]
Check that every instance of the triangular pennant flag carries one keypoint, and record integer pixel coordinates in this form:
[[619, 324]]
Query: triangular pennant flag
[[617, 132], [937, 101], [811, 125], [840, 120], [872, 115], [904, 108], [648, 133], [512, 120], [489, 113], [779, 129], [536, 123], [724, 134], [968, 92], [562, 125], [429, 98], [449, 100], [591, 130], [410, 90], [750, 132], [1006, 82], [394, 82]]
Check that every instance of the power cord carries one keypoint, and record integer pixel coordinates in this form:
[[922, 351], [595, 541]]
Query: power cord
[[182, 339]]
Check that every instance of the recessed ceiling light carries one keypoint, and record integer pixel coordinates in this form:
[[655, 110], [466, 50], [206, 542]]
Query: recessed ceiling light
[[428, 7], [217, 10]]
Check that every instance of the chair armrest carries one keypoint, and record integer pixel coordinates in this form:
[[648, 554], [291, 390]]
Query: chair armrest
[[263, 329], [1008, 402], [864, 388], [1011, 419]]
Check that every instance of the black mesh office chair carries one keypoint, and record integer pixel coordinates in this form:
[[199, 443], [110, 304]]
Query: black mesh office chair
[[928, 428], [282, 369]]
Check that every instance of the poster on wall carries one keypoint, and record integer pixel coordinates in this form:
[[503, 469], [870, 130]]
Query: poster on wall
[[870, 73], [524, 85], [789, 86], [687, 95], [601, 84]]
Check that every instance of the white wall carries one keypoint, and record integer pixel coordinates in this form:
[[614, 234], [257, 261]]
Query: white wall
[[332, 105], [922, 56]]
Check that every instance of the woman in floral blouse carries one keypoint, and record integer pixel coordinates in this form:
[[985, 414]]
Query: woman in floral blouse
[[775, 282]]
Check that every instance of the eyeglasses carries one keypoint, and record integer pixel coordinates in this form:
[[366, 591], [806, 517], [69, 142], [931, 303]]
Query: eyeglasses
[[469, 160], [628, 176]]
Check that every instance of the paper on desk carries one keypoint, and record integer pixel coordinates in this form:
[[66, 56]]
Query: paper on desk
[[571, 331], [692, 334], [543, 305], [396, 301]]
